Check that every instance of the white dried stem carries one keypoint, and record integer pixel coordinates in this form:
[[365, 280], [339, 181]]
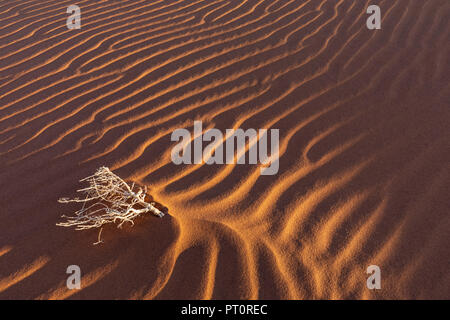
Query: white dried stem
[[108, 199]]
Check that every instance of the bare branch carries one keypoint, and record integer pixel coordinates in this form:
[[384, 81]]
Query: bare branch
[[114, 202]]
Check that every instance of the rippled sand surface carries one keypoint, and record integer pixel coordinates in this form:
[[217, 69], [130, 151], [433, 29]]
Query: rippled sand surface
[[364, 147]]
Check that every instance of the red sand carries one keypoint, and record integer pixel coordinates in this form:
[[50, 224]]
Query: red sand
[[364, 155]]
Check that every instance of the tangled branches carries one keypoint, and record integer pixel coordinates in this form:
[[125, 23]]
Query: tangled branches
[[112, 200]]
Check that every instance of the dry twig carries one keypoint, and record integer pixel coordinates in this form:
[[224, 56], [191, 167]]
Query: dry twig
[[109, 199]]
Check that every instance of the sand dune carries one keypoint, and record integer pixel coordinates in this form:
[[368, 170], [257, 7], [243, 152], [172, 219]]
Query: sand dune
[[363, 118]]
